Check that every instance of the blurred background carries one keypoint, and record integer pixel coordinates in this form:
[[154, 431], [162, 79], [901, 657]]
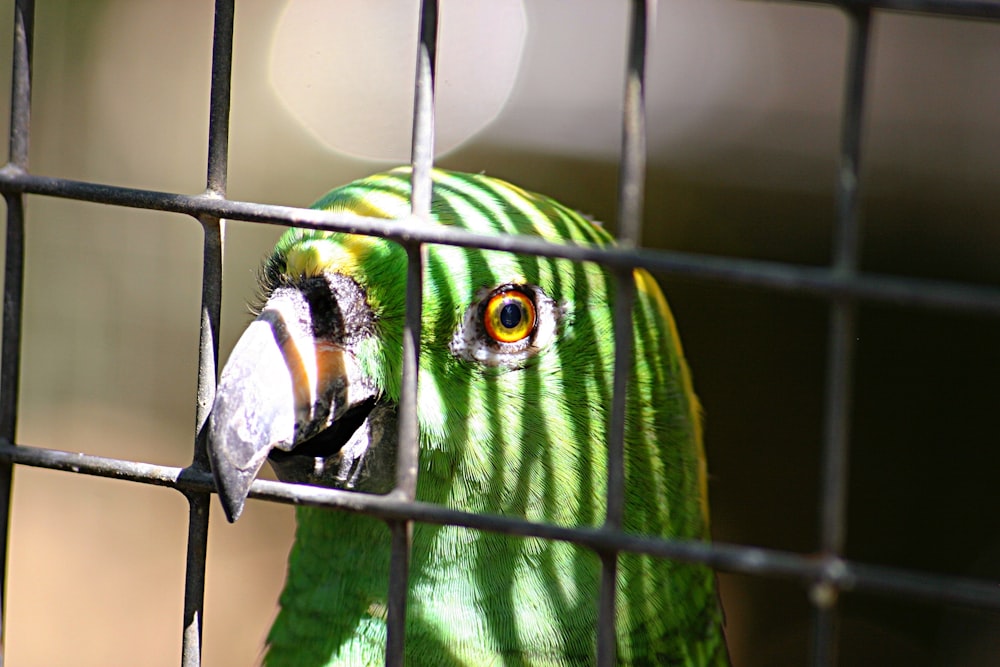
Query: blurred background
[[744, 103]]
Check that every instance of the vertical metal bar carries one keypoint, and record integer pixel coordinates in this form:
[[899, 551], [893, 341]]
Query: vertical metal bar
[[422, 155], [840, 353], [422, 161], [632, 174], [407, 456], [407, 460], [198, 503], [847, 231], [194, 578], [10, 352], [615, 513], [20, 98], [208, 350], [218, 116], [10, 371], [632, 171], [399, 574]]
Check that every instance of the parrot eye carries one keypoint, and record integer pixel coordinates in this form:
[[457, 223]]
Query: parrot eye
[[509, 316], [506, 325]]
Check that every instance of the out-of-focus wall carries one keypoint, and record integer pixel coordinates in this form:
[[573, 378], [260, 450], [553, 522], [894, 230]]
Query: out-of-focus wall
[[743, 105]]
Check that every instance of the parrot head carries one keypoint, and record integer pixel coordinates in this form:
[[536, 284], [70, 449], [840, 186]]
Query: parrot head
[[516, 360], [513, 404]]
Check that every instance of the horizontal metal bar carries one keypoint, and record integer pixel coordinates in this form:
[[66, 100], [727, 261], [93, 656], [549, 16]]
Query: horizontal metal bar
[[809, 280], [979, 9], [183, 479], [836, 572]]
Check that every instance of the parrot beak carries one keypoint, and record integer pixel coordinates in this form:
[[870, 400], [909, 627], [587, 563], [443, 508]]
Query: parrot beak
[[297, 397]]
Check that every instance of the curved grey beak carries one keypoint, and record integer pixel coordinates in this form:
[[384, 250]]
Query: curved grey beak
[[254, 410], [280, 387]]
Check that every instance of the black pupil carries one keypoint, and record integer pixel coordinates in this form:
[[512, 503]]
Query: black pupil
[[510, 315]]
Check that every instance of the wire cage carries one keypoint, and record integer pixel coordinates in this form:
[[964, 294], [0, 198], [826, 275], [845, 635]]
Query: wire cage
[[842, 285]]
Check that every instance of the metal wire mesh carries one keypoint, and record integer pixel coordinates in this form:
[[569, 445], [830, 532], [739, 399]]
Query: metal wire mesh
[[841, 284]]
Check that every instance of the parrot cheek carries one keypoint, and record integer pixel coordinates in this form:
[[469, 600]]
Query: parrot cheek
[[348, 440], [365, 462]]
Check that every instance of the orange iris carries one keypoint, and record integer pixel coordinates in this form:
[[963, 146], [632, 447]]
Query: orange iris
[[509, 316]]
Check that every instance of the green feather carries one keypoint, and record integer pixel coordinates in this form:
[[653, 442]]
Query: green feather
[[522, 438]]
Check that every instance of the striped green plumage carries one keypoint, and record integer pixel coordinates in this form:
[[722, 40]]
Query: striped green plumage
[[525, 439]]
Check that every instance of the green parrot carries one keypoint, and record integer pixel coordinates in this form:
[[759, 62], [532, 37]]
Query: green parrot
[[514, 398]]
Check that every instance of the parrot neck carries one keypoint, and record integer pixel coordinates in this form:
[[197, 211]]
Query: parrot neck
[[333, 604], [475, 596]]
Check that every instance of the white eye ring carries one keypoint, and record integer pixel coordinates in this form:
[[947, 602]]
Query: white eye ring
[[472, 343]]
